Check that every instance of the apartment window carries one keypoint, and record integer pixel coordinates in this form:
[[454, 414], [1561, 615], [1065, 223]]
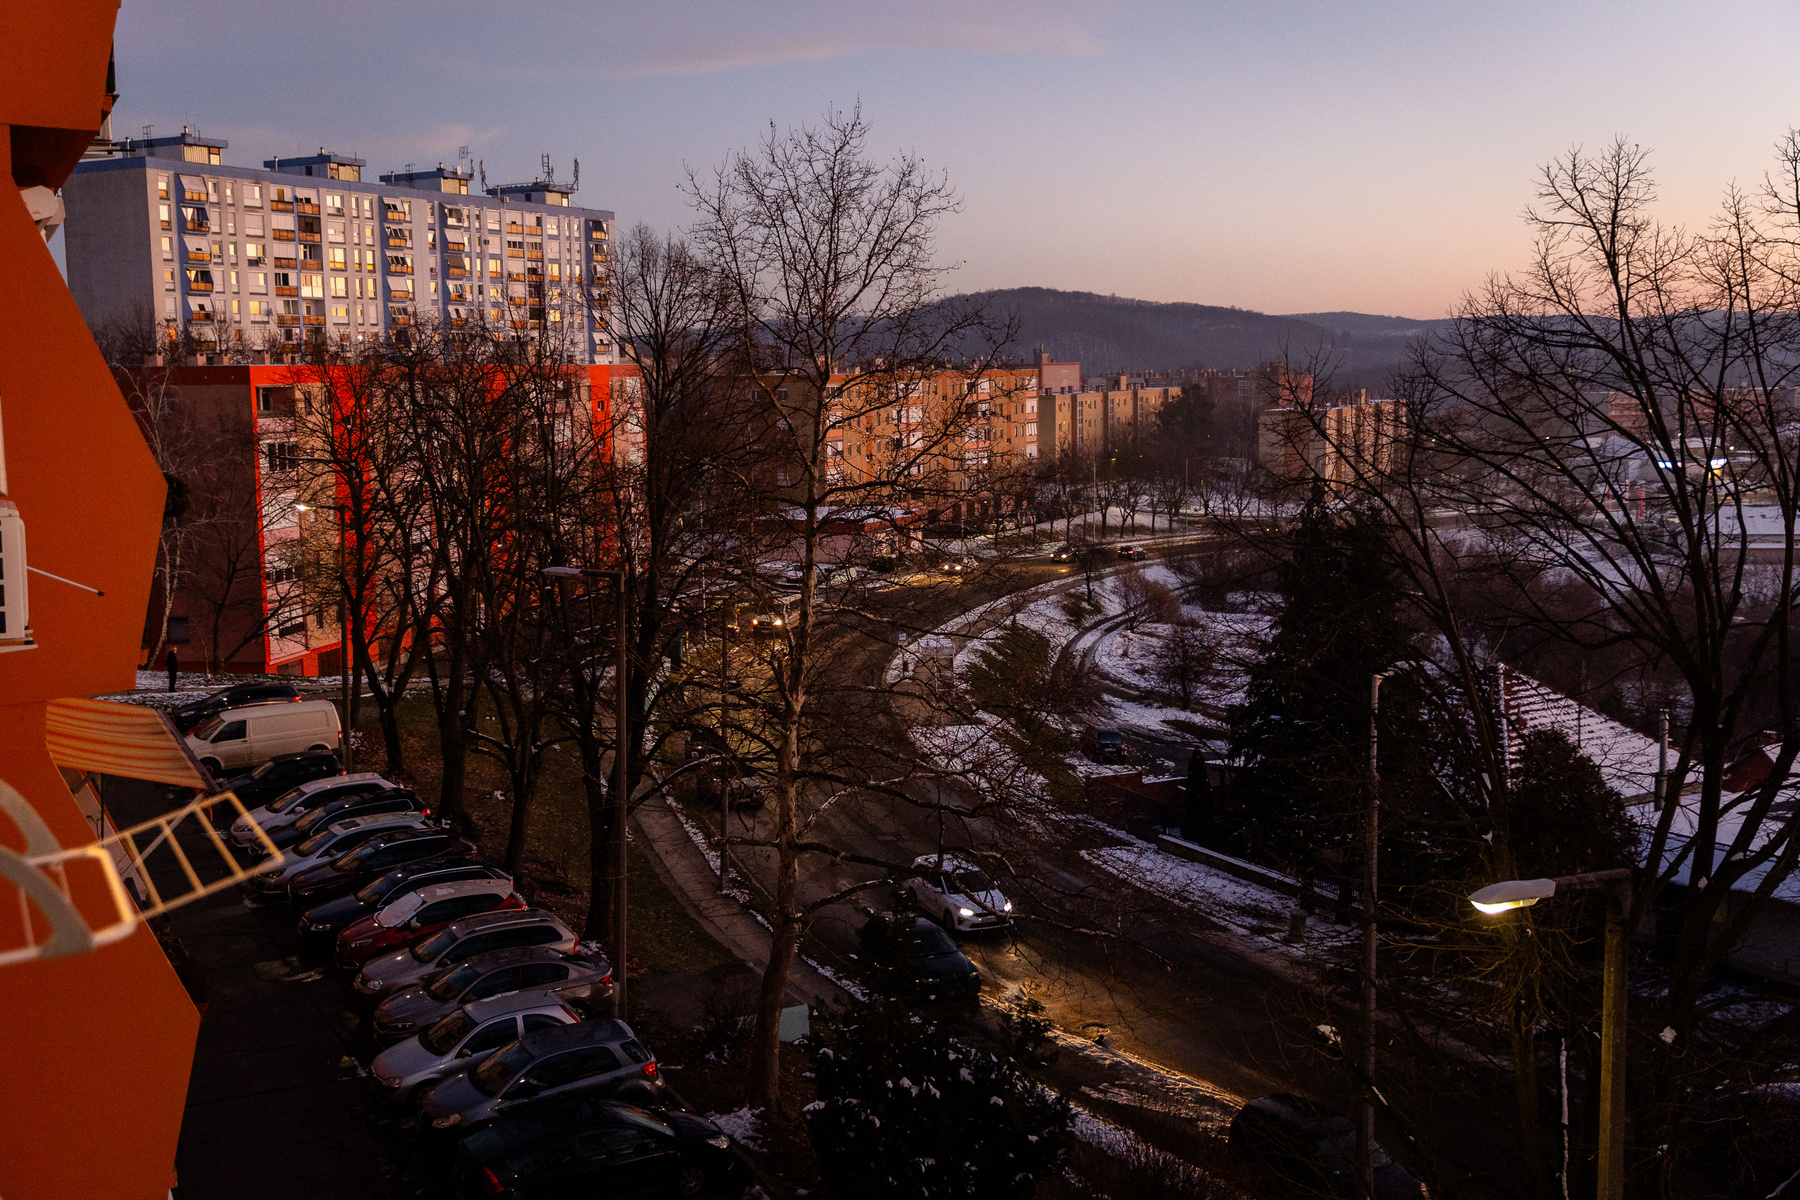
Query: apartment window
[[212, 191], [259, 281], [493, 219], [368, 206], [234, 310], [334, 231], [253, 195], [169, 306], [340, 286], [162, 187], [369, 234], [337, 258], [290, 308], [312, 286], [168, 247], [234, 281], [253, 253], [169, 278], [434, 289], [334, 204], [162, 214], [282, 457], [217, 256]]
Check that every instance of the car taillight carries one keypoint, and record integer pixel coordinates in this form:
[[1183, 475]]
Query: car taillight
[[650, 1069], [574, 1017], [606, 978], [492, 1185]]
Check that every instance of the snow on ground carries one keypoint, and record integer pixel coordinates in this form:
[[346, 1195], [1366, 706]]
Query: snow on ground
[[1246, 908], [739, 1126]]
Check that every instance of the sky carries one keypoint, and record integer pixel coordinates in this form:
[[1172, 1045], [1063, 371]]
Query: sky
[[1277, 155]]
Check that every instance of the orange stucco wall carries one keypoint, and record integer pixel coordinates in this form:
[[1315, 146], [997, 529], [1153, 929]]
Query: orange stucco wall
[[100, 1043]]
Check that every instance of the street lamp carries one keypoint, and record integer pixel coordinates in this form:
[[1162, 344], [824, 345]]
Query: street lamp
[[344, 654], [619, 784], [1523, 893]]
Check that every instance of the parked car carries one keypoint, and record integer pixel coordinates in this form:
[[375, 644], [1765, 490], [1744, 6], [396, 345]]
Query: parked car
[[739, 786], [239, 738], [462, 1039], [585, 1147], [331, 843], [492, 974], [595, 1057], [328, 915], [291, 805], [1134, 553], [419, 914], [465, 939], [790, 579], [1107, 746], [1314, 1147], [942, 968], [342, 808], [884, 565], [960, 892], [282, 774], [239, 695], [375, 857]]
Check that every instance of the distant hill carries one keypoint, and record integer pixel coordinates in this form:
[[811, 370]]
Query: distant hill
[[1113, 333]]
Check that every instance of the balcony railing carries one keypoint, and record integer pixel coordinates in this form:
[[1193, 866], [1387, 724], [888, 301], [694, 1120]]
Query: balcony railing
[[537, 255], [165, 223], [283, 264], [197, 226], [281, 206], [287, 319], [312, 264], [306, 235], [199, 285], [282, 235], [287, 291], [399, 270], [514, 227], [394, 240], [511, 253], [304, 207], [315, 320], [199, 256], [456, 273], [201, 315]]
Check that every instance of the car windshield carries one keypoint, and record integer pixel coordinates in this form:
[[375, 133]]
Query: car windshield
[[286, 800], [207, 728], [1339, 1153], [263, 770], [451, 984], [441, 1038], [399, 911], [935, 940], [375, 892], [497, 1069], [313, 844], [970, 883], [647, 1120], [433, 947]]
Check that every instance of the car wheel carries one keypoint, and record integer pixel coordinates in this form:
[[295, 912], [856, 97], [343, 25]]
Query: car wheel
[[949, 921], [690, 1180], [214, 767], [318, 746]]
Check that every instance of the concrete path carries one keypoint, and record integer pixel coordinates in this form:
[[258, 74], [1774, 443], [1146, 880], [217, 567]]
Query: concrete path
[[688, 874]]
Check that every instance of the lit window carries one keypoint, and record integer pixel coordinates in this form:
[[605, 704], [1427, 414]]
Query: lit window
[[340, 286], [168, 247], [253, 194], [162, 187]]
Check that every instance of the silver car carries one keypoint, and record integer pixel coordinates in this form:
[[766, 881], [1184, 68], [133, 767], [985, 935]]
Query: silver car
[[602, 1057], [329, 843], [290, 806], [464, 1038], [388, 973], [958, 893], [495, 973]]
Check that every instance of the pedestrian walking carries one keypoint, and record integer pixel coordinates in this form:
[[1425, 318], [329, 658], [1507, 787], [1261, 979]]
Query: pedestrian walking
[[172, 668]]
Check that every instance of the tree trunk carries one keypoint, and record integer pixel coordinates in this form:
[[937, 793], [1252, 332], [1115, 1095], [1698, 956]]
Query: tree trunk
[[1525, 1092]]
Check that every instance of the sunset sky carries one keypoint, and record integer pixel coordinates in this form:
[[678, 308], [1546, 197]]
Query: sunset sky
[[1280, 156]]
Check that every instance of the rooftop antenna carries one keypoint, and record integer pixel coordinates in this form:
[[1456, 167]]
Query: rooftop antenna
[[409, 170], [148, 130], [481, 165], [462, 156], [575, 184], [549, 171]]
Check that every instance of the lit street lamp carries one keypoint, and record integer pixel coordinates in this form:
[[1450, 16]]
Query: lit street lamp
[[619, 785], [1523, 893]]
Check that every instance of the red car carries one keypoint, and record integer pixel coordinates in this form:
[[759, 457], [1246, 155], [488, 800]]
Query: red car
[[419, 914]]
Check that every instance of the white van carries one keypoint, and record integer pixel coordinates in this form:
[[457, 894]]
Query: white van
[[240, 738]]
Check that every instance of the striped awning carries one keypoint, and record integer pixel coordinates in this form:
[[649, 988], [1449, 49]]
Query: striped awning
[[120, 739]]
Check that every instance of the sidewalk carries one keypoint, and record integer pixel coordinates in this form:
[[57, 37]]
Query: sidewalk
[[681, 865]]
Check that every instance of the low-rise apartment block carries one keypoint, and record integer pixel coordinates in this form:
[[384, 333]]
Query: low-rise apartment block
[[165, 230]]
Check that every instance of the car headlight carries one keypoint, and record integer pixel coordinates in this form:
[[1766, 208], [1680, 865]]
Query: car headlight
[[967, 912], [1008, 907], [447, 1122], [366, 985], [399, 1026], [721, 1141], [317, 927], [359, 942]]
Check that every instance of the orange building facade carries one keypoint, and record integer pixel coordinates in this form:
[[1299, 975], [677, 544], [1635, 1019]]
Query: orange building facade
[[102, 1041]]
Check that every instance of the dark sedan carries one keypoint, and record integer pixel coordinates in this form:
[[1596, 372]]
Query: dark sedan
[[926, 961], [374, 858], [593, 1148], [1314, 1147], [324, 916], [239, 695], [282, 774]]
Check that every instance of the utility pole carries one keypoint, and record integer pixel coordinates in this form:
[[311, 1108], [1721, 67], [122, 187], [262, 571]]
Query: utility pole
[[620, 808], [1365, 1123], [725, 745]]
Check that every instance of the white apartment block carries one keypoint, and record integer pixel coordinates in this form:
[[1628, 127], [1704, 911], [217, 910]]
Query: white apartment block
[[251, 257]]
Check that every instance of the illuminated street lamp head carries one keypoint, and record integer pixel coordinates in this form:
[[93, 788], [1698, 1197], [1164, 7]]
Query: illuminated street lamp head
[[1514, 893], [303, 508]]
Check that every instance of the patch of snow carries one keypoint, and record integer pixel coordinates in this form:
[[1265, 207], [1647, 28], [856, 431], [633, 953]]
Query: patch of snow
[[739, 1126]]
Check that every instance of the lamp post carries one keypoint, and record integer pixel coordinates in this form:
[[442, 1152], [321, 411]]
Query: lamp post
[[1523, 893], [1365, 1115], [619, 784], [344, 653]]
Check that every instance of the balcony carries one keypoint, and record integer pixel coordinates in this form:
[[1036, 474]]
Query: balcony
[[315, 320], [287, 318], [511, 253], [456, 273], [309, 236], [284, 264], [282, 235], [515, 276], [458, 322], [399, 270], [304, 207], [536, 255], [281, 206], [165, 222], [287, 291], [514, 227], [200, 315], [196, 226], [198, 256], [398, 240], [199, 285], [312, 264]]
